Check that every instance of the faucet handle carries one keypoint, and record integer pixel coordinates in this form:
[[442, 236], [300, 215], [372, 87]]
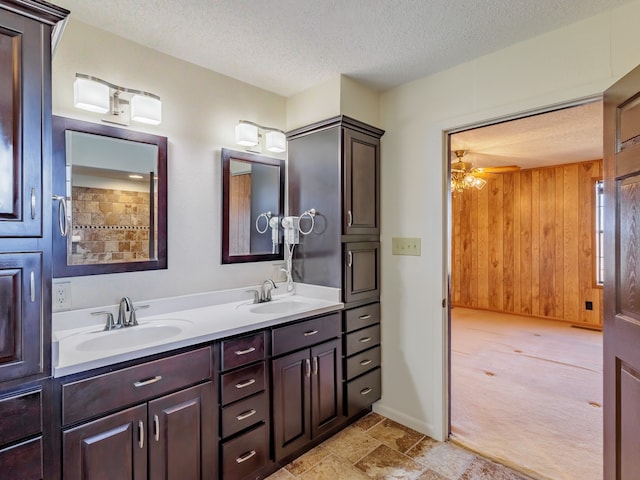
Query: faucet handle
[[132, 316], [110, 325], [256, 295]]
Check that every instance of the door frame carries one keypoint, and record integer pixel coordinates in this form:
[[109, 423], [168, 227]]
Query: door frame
[[448, 226]]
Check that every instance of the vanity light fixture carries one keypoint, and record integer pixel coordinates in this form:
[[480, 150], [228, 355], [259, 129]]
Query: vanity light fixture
[[97, 95], [247, 134]]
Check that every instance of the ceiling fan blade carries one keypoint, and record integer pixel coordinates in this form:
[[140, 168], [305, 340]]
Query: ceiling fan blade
[[503, 169]]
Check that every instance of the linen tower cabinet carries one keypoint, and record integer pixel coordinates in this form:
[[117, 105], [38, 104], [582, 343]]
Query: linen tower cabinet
[[334, 167], [25, 215]]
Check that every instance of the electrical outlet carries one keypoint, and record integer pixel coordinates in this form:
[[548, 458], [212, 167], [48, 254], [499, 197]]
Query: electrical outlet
[[588, 305], [277, 275], [61, 296], [405, 246]]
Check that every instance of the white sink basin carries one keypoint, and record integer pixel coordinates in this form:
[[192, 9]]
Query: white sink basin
[[142, 334], [280, 306]]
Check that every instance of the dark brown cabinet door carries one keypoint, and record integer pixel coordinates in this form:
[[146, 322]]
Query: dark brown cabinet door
[[291, 402], [181, 435], [23, 461], [361, 184], [326, 387], [20, 315], [21, 84], [361, 271], [113, 447]]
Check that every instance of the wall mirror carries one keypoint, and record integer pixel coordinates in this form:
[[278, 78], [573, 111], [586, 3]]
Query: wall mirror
[[114, 182], [252, 207]]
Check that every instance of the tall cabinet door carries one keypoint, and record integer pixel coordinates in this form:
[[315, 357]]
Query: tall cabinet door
[[326, 386], [111, 447], [181, 428], [291, 402], [361, 214], [21, 84], [361, 271], [20, 317]]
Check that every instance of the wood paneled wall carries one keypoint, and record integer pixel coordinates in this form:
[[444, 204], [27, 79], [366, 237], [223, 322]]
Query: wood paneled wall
[[525, 244]]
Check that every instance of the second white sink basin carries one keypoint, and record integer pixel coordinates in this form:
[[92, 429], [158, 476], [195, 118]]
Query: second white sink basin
[[132, 336], [279, 306]]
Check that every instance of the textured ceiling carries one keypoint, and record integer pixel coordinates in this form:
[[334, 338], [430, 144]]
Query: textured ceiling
[[286, 46], [563, 136]]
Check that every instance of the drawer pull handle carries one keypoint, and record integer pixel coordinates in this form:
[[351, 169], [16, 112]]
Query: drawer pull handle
[[246, 456], [365, 391], [310, 332], [244, 352], [245, 415], [365, 339], [148, 381], [365, 316], [246, 384], [365, 362], [140, 434]]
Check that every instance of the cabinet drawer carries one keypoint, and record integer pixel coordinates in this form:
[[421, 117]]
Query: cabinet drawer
[[242, 383], [242, 350], [23, 461], [103, 393], [21, 416], [363, 391], [245, 455], [361, 340], [304, 334], [361, 317], [363, 362], [243, 414]]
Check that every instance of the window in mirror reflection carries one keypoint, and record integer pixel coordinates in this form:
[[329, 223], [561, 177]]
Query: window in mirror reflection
[[113, 190]]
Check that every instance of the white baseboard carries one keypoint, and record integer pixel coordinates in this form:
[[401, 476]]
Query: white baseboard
[[406, 420]]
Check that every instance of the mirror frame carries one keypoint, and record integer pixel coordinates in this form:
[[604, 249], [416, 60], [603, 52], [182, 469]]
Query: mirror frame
[[226, 157], [60, 267]]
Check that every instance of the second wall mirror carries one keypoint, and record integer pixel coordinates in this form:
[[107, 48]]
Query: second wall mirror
[[114, 183], [252, 207]]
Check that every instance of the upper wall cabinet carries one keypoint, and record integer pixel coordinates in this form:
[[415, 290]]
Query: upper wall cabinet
[[361, 166], [21, 112]]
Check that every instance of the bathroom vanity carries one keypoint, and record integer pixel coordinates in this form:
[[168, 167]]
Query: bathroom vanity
[[238, 389]]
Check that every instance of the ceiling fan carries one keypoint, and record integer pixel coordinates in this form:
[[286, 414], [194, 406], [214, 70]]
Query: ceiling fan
[[465, 175]]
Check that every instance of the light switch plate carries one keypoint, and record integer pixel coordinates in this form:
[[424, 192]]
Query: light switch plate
[[406, 246]]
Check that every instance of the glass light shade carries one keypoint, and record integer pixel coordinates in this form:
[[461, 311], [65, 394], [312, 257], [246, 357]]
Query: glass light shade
[[479, 183], [246, 134], [91, 95], [146, 109], [276, 142]]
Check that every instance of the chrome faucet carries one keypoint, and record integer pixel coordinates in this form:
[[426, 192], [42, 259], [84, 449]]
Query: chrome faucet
[[265, 290], [126, 306]]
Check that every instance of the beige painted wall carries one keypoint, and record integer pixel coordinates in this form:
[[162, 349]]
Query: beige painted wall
[[200, 111], [580, 60]]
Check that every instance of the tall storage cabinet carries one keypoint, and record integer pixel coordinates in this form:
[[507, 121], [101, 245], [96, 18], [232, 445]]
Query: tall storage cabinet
[[25, 266], [334, 167]]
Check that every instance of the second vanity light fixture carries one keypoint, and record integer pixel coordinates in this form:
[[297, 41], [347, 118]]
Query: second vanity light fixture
[[247, 135], [97, 95]]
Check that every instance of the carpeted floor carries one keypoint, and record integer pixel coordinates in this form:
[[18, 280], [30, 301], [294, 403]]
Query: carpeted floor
[[528, 393]]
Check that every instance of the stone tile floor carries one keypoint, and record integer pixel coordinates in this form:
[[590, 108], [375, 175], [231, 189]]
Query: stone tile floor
[[379, 448]]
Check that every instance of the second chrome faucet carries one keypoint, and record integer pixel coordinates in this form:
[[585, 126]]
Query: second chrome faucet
[[264, 294]]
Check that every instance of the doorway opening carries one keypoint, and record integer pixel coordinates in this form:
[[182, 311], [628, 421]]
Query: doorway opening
[[526, 318]]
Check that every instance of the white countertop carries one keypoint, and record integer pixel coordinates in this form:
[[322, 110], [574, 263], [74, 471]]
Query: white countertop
[[200, 318]]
